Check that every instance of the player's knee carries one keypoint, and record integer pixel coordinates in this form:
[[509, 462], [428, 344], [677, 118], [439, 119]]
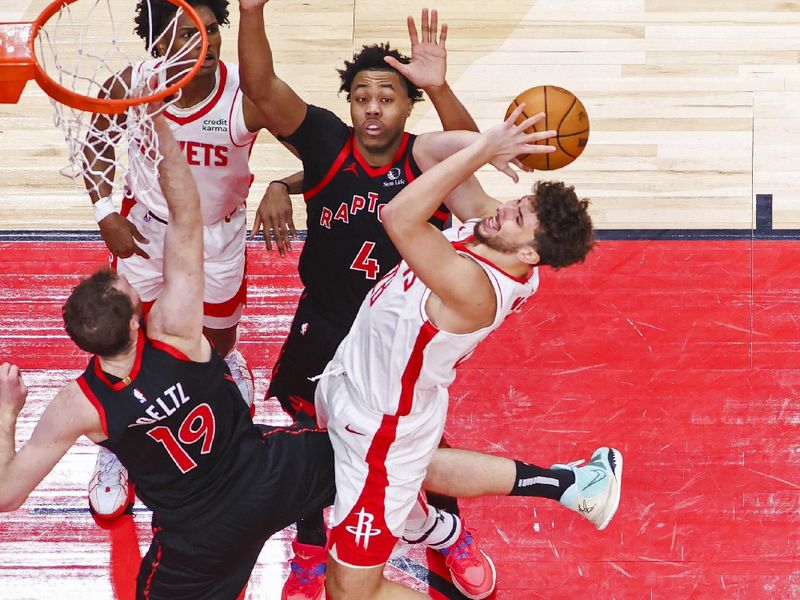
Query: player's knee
[[343, 583]]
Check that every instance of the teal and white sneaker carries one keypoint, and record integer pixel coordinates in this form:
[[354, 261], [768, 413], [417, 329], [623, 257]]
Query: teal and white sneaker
[[595, 493]]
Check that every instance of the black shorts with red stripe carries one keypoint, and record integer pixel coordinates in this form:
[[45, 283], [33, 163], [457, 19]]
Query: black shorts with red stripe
[[213, 559], [312, 341]]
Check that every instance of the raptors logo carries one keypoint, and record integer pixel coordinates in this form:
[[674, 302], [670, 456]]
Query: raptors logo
[[363, 529]]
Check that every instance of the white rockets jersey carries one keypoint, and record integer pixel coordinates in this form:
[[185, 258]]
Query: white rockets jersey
[[216, 143], [396, 360]]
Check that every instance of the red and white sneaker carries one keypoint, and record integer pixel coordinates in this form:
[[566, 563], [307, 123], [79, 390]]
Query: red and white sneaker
[[472, 572], [307, 578], [110, 493]]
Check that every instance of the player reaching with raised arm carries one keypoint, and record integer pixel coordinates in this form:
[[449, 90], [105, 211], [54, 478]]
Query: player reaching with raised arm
[[350, 173], [384, 396], [216, 127]]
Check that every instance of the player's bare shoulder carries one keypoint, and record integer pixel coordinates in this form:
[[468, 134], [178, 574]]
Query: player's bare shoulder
[[69, 415]]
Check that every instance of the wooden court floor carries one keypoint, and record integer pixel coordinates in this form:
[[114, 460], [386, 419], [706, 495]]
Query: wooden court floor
[[677, 342]]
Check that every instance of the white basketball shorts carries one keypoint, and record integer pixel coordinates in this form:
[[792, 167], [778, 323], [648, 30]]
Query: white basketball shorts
[[380, 463], [225, 264]]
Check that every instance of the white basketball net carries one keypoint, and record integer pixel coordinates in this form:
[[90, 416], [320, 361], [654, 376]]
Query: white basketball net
[[86, 47]]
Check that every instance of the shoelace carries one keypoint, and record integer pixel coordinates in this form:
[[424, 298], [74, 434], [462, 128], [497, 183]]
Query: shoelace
[[109, 471], [303, 578], [462, 554]]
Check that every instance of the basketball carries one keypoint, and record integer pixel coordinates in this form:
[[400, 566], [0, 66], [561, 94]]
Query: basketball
[[565, 114]]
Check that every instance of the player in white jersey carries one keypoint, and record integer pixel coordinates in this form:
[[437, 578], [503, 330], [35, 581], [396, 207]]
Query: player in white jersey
[[216, 127], [384, 395]]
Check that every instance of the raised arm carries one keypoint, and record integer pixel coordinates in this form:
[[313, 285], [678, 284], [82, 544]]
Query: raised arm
[[99, 159], [282, 109], [458, 283], [469, 200], [66, 418], [177, 315], [428, 71]]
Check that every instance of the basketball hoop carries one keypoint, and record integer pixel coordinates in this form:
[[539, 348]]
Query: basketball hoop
[[19, 63], [104, 88]]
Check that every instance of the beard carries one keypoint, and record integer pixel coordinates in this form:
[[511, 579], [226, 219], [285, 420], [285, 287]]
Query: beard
[[493, 241]]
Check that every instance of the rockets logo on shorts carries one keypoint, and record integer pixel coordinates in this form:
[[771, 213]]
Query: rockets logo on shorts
[[363, 529]]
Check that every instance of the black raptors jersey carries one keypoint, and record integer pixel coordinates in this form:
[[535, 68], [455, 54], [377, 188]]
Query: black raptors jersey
[[181, 429], [347, 249]]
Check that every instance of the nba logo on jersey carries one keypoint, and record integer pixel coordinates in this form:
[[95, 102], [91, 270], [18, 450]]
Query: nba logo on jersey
[[139, 396], [394, 177]]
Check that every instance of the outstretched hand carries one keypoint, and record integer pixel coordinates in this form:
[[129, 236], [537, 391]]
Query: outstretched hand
[[122, 238], [274, 214], [428, 65], [251, 4], [508, 140], [12, 389]]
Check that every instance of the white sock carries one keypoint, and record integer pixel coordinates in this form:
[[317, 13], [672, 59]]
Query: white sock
[[435, 528]]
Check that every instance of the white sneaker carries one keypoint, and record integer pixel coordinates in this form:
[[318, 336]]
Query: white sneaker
[[242, 375], [595, 493], [110, 494]]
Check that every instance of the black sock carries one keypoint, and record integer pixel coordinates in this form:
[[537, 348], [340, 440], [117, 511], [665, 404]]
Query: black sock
[[311, 530], [442, 502], [543, 483]]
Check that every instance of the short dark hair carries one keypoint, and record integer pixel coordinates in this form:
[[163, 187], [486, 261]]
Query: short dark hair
[[161, 12], [97, 315], [371, 59], [565, 234]]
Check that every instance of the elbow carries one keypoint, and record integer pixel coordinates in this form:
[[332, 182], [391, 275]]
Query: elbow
[[259, 90], [388, 218], [10, 503]]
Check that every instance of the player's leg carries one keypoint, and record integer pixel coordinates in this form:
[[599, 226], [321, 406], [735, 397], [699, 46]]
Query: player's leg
[[380, 463], [225, 295], [592, 490], [471, 570], [441, 501], [364, 584], [308, 348], [209, 563]]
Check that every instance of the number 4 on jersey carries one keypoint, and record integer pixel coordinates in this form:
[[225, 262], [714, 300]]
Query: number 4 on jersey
[[364, 263]]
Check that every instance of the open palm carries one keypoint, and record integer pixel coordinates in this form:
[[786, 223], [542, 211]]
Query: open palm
[[428, 65]]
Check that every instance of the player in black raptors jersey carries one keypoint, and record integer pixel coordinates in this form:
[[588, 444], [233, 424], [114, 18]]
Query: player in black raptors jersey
[[349, 175], [166, 404]]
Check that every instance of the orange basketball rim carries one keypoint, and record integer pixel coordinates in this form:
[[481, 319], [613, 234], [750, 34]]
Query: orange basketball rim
[[19, 64]]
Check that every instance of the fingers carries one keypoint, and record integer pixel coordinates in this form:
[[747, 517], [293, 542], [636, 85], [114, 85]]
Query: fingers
[[434, 25], [138, 250], [396, 65], [137, 235], [537, 149], [522, 166], [256, 225], [510, 172], [443, 35], [512, 118], [426, 30], [531, 121], [282, 239], [412, 31], [10, 374], [267, 235]]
